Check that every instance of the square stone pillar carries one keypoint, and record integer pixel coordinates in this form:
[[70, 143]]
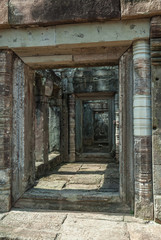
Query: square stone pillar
[[142, 130]]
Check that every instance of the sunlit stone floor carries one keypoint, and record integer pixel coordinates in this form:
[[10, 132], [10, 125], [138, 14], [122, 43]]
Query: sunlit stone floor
[[102, 177]]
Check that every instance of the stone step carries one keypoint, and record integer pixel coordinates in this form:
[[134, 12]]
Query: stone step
[[95, 157], [72, 200]]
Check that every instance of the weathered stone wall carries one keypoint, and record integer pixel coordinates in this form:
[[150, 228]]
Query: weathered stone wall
[[89, 79], [48, 12], [56, 12], [23, 170], [54, 128], [96, 79], [41, 121], [16, 121], [5, 129]]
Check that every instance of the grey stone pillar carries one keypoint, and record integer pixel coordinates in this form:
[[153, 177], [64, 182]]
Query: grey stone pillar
[[72, 128], [142, 130]]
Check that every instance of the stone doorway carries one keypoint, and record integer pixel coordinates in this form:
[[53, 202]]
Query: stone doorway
[[90, 117], [96, 126]]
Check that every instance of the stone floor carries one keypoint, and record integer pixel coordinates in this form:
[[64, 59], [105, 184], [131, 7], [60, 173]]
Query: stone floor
[[102, 177], [52, 225], [92, 187]]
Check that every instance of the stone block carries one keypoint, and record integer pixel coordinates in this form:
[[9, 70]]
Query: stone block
[[144, 210], [156, 149], [53, 12], [156, 27], [157, 208], [157, 179], [3, 13], [5, 175], [141, 8], [5, 201]]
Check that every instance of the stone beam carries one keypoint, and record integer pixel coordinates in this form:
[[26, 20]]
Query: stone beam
[[113, 33], [61, 40], [40, 62]]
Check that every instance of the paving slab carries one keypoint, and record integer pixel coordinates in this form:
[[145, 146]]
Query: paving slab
[[57, 185], [63, 225], [149, 231], [92, 229]]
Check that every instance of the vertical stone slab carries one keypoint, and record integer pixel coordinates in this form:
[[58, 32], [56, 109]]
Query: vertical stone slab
[[41, 120], [156, 114], [79, 127], [6, 58], [126, 128], [117, 126], [64, 129], [23, 129], [142, 130], [72, 128]]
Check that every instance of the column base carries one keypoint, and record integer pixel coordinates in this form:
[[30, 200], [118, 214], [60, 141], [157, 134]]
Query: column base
[[144, 210]]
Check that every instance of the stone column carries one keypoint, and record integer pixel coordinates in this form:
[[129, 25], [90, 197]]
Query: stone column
[[72, 128], [142, 130], [117, 126]]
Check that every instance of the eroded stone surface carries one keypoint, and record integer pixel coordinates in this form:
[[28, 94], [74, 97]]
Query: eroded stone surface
[[52, 225], [3, 13], [141, 8], [52, 12]]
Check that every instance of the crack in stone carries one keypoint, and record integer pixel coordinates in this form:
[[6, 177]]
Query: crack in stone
[[128, 234], [3, 217], [64, 219], [57, 237]]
